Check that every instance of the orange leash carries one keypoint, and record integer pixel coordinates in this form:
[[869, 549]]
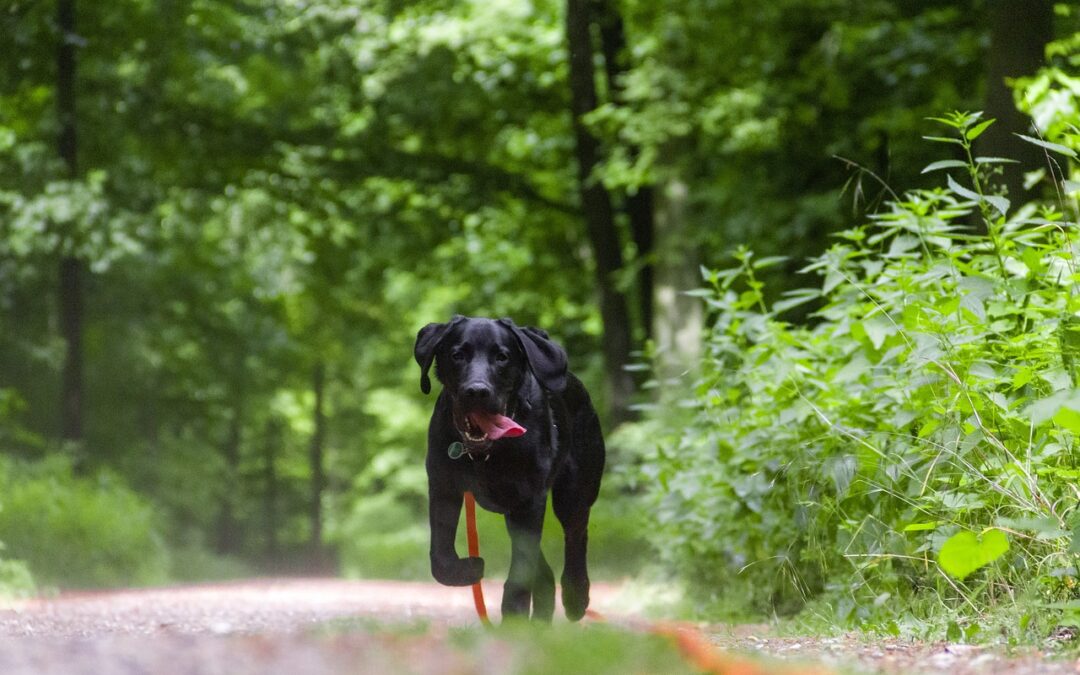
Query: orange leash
[[474, 552]]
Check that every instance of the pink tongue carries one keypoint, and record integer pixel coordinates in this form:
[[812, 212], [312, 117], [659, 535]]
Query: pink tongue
[[497, 426]]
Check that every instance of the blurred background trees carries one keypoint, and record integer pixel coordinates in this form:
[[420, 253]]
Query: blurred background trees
[[221, 223]]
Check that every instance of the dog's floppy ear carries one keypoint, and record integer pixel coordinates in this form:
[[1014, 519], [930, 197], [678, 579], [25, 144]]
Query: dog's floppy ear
[[427, 341], [547, 360]]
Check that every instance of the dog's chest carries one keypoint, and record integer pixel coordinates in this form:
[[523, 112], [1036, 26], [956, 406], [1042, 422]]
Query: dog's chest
[[503, 491]]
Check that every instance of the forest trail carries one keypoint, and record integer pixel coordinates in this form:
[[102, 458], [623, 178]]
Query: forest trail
[[329, 626]]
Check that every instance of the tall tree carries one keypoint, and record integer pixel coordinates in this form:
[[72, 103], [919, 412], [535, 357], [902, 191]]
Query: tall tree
[[598, 213], [638, 202], [1019, 33], [70, 271], [316, 457]]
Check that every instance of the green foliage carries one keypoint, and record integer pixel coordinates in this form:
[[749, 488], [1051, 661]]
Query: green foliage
[[559, 649], [964, 552], [518, 647], [756, 136], [381, 538], [15, 579], [924, 424], [78, 532], [267, 194]]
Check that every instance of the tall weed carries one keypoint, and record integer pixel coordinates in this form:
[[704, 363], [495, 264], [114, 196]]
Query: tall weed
[[917, 438]]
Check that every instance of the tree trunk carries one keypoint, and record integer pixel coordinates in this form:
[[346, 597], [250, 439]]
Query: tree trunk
[[318, 474], [228, 534], [599, 216], [70, 268], [639, 204], [270, 492], [679, 317], [1019, 32]]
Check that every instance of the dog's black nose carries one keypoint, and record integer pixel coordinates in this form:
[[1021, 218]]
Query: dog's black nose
[[477, 391]]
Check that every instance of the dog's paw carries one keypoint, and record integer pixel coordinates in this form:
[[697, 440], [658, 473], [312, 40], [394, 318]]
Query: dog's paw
[[575, 599], [515, 601], [458, 572]]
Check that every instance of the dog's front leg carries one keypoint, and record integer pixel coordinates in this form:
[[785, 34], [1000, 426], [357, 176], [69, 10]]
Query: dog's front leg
[[525, 526], [444, 511]]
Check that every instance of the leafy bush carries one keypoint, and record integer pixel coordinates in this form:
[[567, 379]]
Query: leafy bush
[[936, 392], [78, 532], [382, 538], [15, 579]]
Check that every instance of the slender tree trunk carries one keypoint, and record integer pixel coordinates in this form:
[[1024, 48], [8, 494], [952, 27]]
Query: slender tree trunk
[[318, 473], [70, 268], [71, 328], [639, 205], [640, 210], [679, 317], [228, 538], [1019, 32], [599, 215], [270, 491]]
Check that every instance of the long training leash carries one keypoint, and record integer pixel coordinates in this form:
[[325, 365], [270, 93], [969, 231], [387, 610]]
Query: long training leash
[[474, 552], [694, 647]]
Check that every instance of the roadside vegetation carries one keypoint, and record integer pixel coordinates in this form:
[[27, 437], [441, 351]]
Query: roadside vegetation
[[904, 459]]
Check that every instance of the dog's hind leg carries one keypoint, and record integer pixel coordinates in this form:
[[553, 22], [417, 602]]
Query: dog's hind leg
[[543, 597], [525, 526], [575, 576], [572, 496], [572, 502]]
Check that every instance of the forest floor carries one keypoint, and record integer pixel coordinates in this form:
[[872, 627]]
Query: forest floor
[[326, 626]]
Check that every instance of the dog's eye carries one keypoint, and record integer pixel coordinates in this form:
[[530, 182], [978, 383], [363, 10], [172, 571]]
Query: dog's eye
[[457, 356], [502, 357]]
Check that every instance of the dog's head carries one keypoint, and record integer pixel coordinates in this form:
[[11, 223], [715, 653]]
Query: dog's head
[[482, 363]]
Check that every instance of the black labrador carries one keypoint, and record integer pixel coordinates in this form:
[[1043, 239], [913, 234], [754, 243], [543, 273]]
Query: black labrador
[[510, 425]]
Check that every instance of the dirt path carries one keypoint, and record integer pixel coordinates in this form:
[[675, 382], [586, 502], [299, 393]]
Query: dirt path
[[317, 626], [308, 626]]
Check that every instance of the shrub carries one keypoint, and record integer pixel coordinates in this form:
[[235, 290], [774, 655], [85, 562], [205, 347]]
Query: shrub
[[78, 532], [935, 392], [15, 579]]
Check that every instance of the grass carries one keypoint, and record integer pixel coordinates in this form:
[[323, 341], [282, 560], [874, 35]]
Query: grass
[[519, 648]]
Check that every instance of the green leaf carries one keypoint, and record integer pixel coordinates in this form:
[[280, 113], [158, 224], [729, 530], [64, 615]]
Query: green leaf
[[962, 191], [972, 632], [998, 202], [796, 298], [762, 263], [1067, 418], [976, 131], [919, 527], [1074, 543], [964, 552], [878, 329], [1048, 408], [953, 632], [942, 139], [1055, 147], [945, 164]]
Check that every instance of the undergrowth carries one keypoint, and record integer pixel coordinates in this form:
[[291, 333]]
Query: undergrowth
[[911, 452], [75, 532]]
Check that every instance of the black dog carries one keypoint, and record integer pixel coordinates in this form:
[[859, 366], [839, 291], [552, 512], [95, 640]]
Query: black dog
[[510, 425]]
